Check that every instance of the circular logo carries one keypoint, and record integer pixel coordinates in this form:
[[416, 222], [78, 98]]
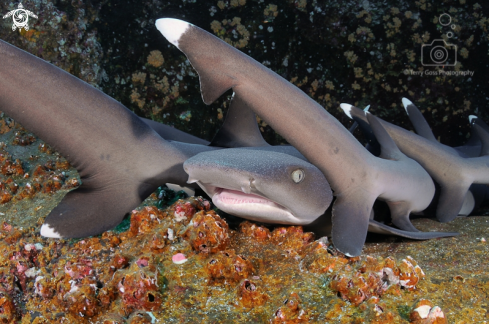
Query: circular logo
[[445, 19], [439, 54], [20, 18]]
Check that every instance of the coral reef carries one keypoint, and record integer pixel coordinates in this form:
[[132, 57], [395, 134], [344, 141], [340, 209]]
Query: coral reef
[[132, 273], [185, 261]]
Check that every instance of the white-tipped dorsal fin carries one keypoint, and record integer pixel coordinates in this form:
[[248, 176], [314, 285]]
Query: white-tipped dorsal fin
[[172, 28], [346, 108], [471, 118], [388, 147], [406, 102]]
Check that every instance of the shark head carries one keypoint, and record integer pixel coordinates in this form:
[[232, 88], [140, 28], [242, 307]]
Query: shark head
[[264, 186]]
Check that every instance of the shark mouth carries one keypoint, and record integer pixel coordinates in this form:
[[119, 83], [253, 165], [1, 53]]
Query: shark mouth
[[252, 207]]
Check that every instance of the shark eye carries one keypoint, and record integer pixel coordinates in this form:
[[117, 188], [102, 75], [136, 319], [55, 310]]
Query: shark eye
[[298, 175]]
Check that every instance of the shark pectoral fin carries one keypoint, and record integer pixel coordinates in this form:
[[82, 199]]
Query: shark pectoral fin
[[376, 227], [452, 198], [400, 215], [417, 119], [388, 149], [350, 219], [90, 210]]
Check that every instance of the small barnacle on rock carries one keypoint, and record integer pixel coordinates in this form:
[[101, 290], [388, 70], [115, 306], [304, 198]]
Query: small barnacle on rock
[[207, 232], [140, 287], [260, 233], [250, 294], [425, 313], [112, 318], [145, 220], [227, 265], [291, 311], [317, 259], [82, 299]]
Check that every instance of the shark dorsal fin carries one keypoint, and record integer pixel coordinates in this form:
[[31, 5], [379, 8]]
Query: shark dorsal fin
[[388, 149], [240, 128], [483, 134], [417, 119]]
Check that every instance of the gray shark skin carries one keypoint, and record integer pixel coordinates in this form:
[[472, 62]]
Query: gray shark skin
[[94, 133], [172, 134], [245, 171], [240, 180], [477, 193], [423, 129], [453, 173], [356, 176], [120, 158]]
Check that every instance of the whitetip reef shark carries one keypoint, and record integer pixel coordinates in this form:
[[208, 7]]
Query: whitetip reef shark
[[452, 170], [356, 176], [122, 158]]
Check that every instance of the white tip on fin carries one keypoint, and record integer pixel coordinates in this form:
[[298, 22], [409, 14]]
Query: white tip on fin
[[172, 29], [48, 231], [406, 102], [346, 108], [366, 108], [471, 118]]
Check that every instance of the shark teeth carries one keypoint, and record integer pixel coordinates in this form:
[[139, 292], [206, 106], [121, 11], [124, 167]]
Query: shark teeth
[[172, 29], [237, 197]]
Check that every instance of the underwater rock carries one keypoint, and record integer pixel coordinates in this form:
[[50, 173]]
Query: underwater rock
[[141, 286], [229, 267], [425, 313], [371, 277], [250, 294], [207, 232], [291, 312]]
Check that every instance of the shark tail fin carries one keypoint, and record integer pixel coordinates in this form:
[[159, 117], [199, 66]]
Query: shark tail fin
[[388, 149], [417, 119], [240, 128]]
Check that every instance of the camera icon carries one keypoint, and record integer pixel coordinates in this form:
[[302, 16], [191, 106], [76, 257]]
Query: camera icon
[[438, 53]]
